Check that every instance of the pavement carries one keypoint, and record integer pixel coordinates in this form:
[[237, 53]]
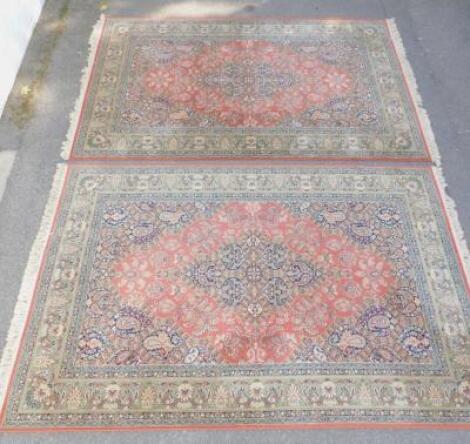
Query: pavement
[[35, 121]]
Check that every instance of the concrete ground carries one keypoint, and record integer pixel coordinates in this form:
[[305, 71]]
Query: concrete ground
[[35, 121]]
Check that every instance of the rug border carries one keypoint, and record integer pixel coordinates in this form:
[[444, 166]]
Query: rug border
[[68, 150], [26, 301]]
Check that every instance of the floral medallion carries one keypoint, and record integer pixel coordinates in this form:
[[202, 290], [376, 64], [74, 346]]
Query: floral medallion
[[194, 296], [306, 88]]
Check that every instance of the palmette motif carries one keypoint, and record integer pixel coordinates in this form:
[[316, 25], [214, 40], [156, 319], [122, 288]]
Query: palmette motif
[[194, 296]]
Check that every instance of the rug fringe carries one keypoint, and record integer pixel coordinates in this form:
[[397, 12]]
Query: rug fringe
[[74, 116], [25, 295], [450, 206]]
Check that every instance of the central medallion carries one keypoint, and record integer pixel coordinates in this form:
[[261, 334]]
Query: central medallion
[[249, 80], [253, 273]]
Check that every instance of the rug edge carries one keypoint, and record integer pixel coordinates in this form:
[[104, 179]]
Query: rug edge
[[74, 116], [25, 295]]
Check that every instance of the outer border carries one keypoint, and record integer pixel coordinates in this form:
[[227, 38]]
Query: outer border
[[25, 306], [430, 151]]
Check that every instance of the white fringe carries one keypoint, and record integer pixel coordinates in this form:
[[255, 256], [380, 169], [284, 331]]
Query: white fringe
[[450, 206], [28, 283], [86, 73]]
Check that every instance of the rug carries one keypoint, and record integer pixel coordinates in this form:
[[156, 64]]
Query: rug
[[315, 89], [188, 297]]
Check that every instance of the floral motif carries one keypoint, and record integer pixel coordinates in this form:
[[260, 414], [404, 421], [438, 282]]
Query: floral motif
[[133, 274]]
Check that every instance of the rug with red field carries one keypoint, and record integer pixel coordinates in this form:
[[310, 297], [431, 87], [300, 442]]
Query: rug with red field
[[216, 297], [248, 88]]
